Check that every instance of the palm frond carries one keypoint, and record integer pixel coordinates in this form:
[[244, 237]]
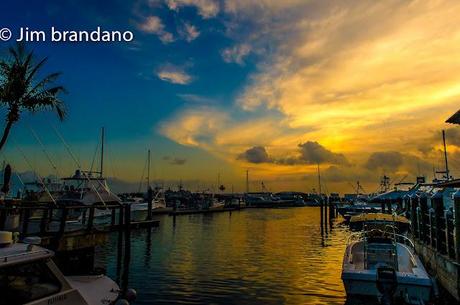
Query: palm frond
[[49, 102], [35, 69], [45, 81]]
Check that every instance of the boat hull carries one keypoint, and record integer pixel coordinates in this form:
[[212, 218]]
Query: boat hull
[[365, 284]]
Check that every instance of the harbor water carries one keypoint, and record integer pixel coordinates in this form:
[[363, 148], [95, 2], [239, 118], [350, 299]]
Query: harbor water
[[252, 256]]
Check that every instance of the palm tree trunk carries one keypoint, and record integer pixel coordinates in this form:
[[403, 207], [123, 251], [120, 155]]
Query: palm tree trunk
[[6, 132]]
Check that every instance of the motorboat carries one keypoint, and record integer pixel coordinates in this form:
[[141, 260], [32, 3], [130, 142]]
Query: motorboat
[[84, 188], [216, 204], [384, 265], [379, 221], [29, 276], [356, 208]]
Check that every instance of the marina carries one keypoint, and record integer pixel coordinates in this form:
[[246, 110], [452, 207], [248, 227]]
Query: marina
[[223, 152]]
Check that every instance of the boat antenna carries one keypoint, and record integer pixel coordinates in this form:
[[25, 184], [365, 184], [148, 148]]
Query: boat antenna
[[445, 154], [101, 172]]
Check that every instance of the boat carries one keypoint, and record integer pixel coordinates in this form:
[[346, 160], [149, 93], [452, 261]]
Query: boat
[[379, 221], [216, 204], [382, 264], [356, 208], [29, 276]]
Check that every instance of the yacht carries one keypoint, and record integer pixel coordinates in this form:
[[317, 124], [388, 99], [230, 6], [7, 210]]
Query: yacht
[[29, 276], [384, 265]]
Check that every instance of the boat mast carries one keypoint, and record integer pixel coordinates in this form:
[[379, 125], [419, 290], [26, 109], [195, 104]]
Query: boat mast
[[445, 153], [101, 173], [148, 169]]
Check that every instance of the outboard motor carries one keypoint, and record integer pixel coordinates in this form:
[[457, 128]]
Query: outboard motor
[[386, 284]]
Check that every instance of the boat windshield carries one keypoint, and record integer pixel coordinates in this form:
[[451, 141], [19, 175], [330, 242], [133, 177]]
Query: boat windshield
[[24, 283]]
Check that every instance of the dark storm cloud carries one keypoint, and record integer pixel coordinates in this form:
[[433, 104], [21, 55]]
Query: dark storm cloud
[[308, 153], [314, 153], [389, 160], [256, 154], [394, 160]]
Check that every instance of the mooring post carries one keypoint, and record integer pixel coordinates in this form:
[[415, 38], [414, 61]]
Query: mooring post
[[413, 215], [321, 212], [438, 206], [127, 256], [89, 227], [44, 221], [457, 224], [432, 228], [3, 214], [149, 203], [120, 242], [83, 217], [449, 241], [419, 224], [63, 221], [25, 221], [112, 216], [424, 220]]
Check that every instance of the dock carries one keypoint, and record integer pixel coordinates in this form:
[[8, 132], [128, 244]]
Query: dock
[[435, 229]]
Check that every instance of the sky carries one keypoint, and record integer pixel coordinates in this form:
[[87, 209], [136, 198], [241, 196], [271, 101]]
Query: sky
[[217, 87]]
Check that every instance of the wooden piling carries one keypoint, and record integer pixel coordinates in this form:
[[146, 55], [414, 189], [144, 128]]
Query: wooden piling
[[457, 224], [25, 222], [3, 216], [89, 227], [44, 222], [63, 221], [149, 202], [127, 252], [120, 243], [321, 212]]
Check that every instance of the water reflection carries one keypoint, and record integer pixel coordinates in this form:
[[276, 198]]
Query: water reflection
[[255, 256]]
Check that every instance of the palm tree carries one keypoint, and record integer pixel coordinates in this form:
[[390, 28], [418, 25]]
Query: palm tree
[[20, 90]]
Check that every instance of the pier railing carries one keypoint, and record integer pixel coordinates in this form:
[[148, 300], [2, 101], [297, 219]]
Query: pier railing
[[51, 220], [433, 224]]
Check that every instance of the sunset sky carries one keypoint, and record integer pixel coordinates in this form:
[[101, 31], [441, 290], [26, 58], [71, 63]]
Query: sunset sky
[[221, 86]]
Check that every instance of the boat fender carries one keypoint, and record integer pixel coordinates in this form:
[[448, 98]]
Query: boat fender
[[130, 295], [121, 302], [434, 288]]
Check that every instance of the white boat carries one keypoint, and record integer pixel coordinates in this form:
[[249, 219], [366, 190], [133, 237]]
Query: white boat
[[216, 204], [29, 276], [384, 265]]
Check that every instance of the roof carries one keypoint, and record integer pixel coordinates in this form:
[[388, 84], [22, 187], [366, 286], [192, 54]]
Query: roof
[[454, 119], [20, 253]]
